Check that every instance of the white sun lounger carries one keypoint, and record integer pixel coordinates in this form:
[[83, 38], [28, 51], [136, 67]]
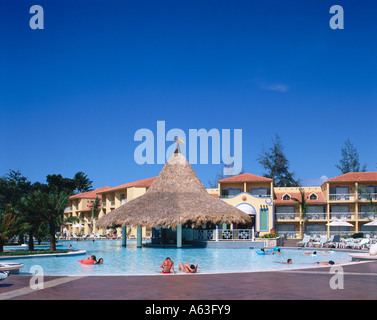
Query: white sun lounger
[[13, 268], [304, 242]]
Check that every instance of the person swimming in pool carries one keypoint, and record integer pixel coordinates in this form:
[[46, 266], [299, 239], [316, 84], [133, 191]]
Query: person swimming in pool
[[329, 263], [100, 261], [314, 253], [289, 261], [266, 252], [167, 266], [188, 268]]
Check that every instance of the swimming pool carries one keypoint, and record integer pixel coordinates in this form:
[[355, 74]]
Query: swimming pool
[[131, 260]]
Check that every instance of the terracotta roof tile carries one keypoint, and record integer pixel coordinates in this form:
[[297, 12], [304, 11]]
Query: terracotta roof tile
[[355, 177], [90, 194], [140, 183], [246, 177], [279, 197]]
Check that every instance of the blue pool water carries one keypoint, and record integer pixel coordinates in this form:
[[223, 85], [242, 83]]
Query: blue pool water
[[130, 260]]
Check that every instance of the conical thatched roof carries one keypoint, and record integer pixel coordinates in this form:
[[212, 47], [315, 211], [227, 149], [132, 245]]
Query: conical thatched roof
[[176, 196]]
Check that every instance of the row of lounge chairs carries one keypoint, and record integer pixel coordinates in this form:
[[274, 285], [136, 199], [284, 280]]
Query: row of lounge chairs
[[96, 236], [336, 242]]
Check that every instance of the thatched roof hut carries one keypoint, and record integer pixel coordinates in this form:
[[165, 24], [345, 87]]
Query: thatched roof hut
[[177, 196]]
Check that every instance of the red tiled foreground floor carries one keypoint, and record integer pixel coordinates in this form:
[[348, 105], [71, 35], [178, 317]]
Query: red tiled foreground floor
[[360, 282]]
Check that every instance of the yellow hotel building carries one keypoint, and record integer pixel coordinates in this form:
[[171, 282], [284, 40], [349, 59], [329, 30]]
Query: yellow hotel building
[[351, 196]]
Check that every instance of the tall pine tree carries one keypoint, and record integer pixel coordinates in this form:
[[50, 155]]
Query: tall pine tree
[[350, 159], [276, 164]]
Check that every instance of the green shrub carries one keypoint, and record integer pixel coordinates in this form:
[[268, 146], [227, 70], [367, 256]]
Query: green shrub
[[270, 235], [26, 252], [357, 235]]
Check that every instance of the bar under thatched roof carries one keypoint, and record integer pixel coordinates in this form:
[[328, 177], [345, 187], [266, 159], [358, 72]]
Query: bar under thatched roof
[[176, 196]]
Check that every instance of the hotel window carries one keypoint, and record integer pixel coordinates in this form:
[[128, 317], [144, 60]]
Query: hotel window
[[368, 193], [316, 212], [313, 196], [260, 192], [123, 199], [339, 193], [287, 197], [285, 212], [340, 212], [367, 212], [225, 193]]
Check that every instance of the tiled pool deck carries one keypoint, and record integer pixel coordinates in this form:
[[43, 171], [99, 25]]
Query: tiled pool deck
[[360, 282]]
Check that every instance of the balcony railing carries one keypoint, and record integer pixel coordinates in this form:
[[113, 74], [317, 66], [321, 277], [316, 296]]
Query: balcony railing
[[68, 209], [368, 215], [342, 215], [342, 197], [223, 234], [112, 203], [254, 195], [287, 216], [367, 196], [341, 233], [316, 216]]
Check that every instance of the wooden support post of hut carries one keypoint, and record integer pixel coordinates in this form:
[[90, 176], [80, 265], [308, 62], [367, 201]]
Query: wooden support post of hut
[[176, 197], [124, 236], [179, 235], [139, 237]]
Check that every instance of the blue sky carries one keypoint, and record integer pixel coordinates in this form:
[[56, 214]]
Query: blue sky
[[73, 95]]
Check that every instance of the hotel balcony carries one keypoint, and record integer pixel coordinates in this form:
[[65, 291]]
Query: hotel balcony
[[342, 215], [287, 216], [68, 209], [316, 216], [342, 197], [224, 196], [367, 197], [368, 215], [112, 204]]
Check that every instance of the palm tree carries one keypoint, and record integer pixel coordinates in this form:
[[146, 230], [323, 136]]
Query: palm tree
[[31, 215], [82, 182], [52, 206], [365, 191], [10, 225], [302, 203], [94, 211]]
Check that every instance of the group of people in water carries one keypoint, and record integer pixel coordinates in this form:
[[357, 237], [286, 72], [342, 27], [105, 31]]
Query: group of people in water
[[289, 261], [313, 254], [277, 251], [168, 267]]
